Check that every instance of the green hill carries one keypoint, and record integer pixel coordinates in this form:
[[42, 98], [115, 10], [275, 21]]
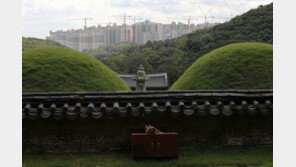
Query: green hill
[[59, 69], [29, 43], [103, 51], [174, 56], [235, 66]]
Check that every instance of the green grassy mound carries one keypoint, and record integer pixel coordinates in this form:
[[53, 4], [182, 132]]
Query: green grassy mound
[[235, 66], [29, 43], [57, 69]]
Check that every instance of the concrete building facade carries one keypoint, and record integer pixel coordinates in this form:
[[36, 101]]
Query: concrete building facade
[[139, 33]]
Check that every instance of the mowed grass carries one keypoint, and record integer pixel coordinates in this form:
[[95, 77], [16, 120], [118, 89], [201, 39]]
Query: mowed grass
[[57, 69], [235, 66], [29, 43], [235, 157]]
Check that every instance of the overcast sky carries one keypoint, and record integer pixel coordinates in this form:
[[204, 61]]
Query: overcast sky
[[41, 16]]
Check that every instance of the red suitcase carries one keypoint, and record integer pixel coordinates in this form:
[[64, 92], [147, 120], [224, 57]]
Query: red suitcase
[[163, 145]]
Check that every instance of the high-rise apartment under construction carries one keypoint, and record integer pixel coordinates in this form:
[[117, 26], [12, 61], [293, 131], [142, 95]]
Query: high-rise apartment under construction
[[139, 33]]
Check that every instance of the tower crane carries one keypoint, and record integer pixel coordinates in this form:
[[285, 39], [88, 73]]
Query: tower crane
[[166, 15], [169, 21], [212, 17], [205, 16], [124, 16], [124, 22], [189, 18], [83, 18], [228, 9], [136, 18]]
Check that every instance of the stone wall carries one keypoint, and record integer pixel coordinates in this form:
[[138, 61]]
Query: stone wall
[[90, 135]]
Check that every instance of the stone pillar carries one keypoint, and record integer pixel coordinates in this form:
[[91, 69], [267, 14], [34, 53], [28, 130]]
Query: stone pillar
[[140, 78]]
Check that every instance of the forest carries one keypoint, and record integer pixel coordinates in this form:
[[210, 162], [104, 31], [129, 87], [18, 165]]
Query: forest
[[103, 51], [174, 56]]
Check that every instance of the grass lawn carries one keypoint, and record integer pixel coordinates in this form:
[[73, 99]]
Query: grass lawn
[[235, 157], [235, 66], [57, 69]]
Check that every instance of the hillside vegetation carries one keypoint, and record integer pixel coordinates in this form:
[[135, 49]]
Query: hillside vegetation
[[235, 66], [103, 51], [57, 69], [29, 43], [174, 56]]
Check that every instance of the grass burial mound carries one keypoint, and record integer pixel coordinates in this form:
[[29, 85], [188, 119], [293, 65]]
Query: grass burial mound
[[57, 69], [29, 43], [235, 66]]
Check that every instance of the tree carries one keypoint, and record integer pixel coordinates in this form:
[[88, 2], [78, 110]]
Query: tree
[[174, 56]]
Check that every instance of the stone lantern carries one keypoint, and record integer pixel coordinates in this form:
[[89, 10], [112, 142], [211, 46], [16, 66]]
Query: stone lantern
[[140, 78]]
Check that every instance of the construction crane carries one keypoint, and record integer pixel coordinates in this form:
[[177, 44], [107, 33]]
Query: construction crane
[[169, 21], [226, 18], [189, 18], [124, 22], [124, 17], [166, 15], [205, 16], [83, 18], [211, 17], [136, 18], [226, 4]]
